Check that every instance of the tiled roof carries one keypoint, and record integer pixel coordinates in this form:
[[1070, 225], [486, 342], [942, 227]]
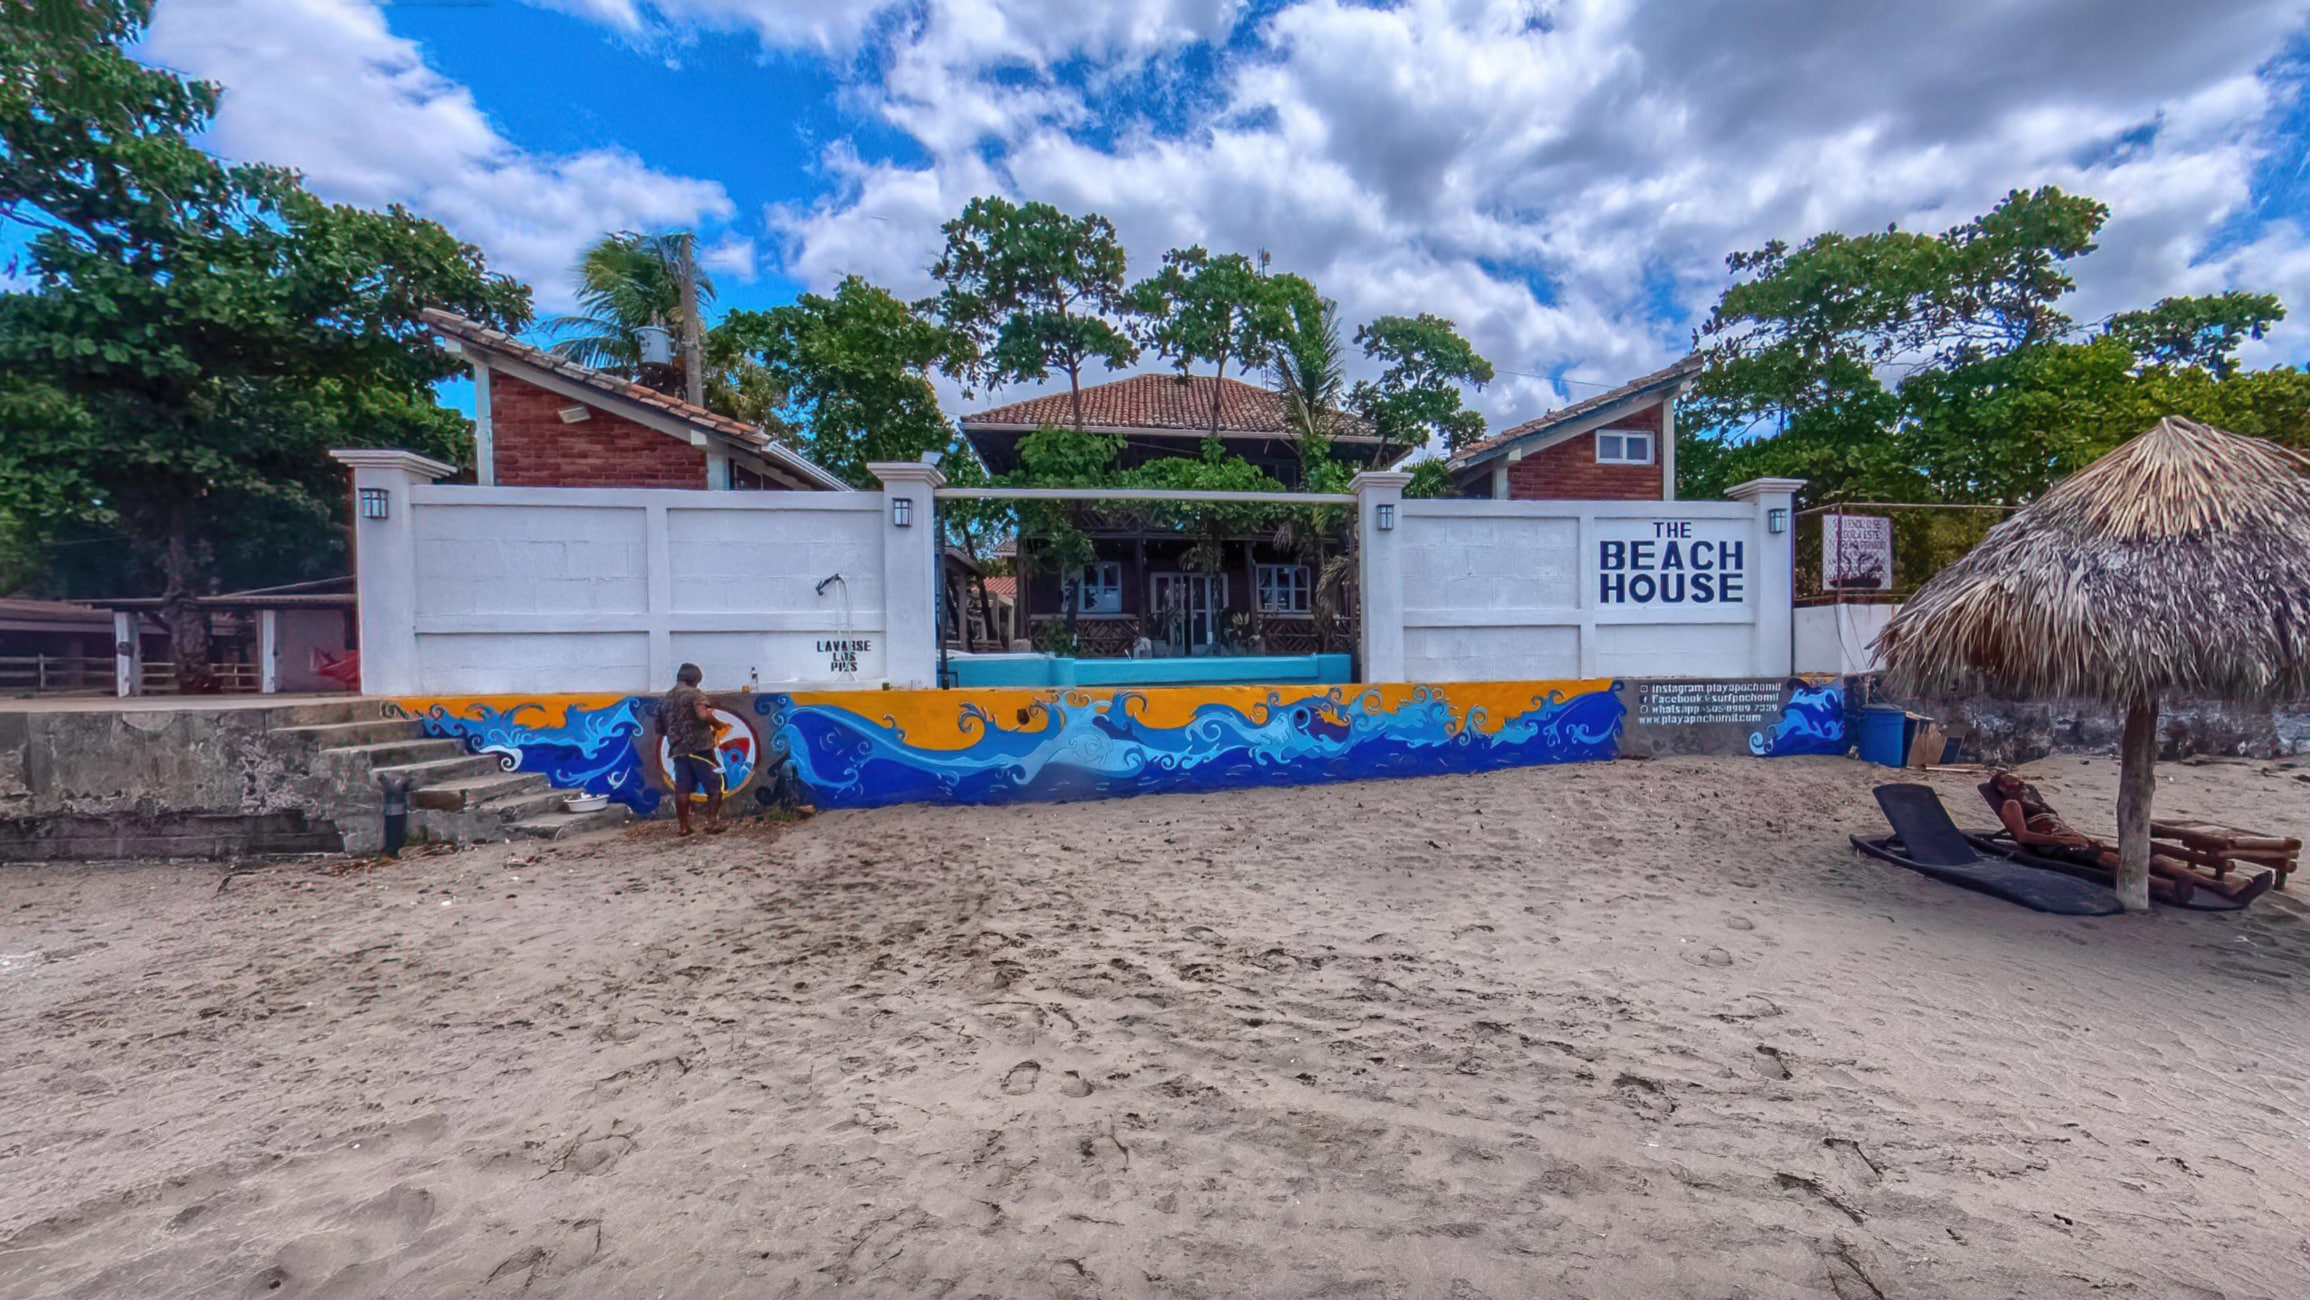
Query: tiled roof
[[1167, 402], [1664, 377], [1002, 586], [20, 613], [476, 334]]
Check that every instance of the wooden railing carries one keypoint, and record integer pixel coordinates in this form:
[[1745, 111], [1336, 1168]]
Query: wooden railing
[[56, 675]]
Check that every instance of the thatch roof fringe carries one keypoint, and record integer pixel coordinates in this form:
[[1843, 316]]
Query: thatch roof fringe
[[2178, 562]]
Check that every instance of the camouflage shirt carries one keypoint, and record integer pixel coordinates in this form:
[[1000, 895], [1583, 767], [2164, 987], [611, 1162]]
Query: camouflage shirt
[[686, 732]]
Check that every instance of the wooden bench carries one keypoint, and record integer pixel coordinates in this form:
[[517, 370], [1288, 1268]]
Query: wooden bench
[[2222, 849]]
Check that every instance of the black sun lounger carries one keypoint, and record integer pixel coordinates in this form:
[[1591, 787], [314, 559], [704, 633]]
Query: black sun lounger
[[2002, 845], [1926, 841]]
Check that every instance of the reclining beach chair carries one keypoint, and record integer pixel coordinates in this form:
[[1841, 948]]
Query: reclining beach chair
[[1927, 842]]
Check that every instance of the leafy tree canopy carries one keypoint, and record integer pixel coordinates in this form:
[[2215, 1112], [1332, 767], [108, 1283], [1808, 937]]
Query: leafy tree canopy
[[1910, 367], [1217, 308], [1031, 289], [1424, 363], [198, 335], [852, 369]]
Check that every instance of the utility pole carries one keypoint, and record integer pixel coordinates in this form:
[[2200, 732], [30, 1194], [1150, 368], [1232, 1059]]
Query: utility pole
[[693, 349]]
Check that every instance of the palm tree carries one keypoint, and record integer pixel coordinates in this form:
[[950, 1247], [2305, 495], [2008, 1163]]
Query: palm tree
[[1310, 369], [626, 281]]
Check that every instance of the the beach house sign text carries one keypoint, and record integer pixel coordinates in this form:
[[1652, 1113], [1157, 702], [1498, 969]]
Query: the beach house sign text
[[1672, 561]]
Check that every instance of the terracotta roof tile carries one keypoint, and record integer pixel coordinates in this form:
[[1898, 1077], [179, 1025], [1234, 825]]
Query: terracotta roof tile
[[1155, 401], [1682, 369]]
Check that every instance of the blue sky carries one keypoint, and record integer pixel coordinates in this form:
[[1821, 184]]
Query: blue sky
[[1561, 177]]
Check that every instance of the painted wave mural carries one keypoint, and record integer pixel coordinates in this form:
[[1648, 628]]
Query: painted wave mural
[[1091, 746], [861, 749], [1812, 722], [577, 744]]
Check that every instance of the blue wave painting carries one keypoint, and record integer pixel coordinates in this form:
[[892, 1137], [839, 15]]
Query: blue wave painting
[[1099, 747], [590, 749], [1812, 722]]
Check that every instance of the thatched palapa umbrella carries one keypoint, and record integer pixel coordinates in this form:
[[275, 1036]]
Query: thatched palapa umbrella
[[2177, 564]]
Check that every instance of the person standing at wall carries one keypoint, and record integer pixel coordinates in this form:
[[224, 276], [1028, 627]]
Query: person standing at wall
[[685, 722]]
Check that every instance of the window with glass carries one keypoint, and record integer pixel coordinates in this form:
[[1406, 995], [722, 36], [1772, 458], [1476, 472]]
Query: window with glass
[[1624, 447], [1101, 588], [1283, 589]]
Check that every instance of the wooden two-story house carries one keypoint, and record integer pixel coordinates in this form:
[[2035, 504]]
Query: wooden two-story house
[[1144, 590]]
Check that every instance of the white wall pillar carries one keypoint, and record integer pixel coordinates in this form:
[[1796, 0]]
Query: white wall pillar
[[1380, 572], [269, 651], [910, 564], [1775, 586], [385, 563], [127, 653]]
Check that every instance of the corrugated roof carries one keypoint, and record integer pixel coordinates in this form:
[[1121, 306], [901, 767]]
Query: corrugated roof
[[1157, 402], [1683, 369], [476, 334]]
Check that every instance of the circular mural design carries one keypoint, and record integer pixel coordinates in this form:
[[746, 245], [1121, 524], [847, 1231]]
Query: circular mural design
[[734, 744]]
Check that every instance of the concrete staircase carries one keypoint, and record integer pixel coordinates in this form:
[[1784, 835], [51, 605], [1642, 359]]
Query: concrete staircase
[[454, 797]]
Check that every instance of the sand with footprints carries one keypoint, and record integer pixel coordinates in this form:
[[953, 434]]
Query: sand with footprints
[[1633, 1029]]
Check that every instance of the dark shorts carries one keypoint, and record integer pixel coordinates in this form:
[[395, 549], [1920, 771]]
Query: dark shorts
[[697, 774]]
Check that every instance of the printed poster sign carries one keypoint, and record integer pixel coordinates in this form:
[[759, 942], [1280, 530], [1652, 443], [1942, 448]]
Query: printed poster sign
[[1856, 553]]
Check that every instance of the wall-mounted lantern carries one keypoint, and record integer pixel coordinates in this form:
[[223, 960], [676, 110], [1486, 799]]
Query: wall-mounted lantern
[[902, 511], [376, 503], [1777, 520], [1387, 516]]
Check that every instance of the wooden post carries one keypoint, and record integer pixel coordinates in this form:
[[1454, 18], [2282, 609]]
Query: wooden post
[[2137, 783], [693, 350]]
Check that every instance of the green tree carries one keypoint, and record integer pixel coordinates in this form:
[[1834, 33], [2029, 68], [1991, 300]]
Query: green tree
[[1028, 289], [853, 370], [2197, 333], [1219, 308], [1424, 364], [199, 335], [1941, 368]]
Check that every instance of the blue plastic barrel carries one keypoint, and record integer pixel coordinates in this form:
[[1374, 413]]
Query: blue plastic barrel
[[1884, 735]]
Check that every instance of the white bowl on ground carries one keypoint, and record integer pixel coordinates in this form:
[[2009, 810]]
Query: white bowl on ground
[[584, 803]]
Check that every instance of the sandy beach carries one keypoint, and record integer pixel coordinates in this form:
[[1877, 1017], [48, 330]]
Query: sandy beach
[[1630, 1029]]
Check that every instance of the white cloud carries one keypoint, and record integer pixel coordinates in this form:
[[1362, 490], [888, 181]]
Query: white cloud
[[1565, 180], [734, 256], [323, 86]]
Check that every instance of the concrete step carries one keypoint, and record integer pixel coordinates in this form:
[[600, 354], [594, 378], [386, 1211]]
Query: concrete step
[[360, 731], [376, 756], [562, 825], [309, 713], [530, 803], [474, 791], [437, 771]]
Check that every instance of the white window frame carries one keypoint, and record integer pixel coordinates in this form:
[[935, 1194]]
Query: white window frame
[[1299, 589], [1100, 587], [1621, 437]]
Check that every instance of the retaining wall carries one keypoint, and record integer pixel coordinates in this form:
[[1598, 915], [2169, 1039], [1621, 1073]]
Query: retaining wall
[[864, 749], [177, 782]]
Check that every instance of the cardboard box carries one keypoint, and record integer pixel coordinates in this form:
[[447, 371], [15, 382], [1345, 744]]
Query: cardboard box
[[1925, 750]]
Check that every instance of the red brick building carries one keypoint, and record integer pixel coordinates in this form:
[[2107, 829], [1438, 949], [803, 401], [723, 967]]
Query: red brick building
[[545, 421], [1615, 446]]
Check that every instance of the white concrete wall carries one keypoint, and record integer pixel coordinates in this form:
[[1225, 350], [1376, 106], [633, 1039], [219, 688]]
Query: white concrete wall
[[1840, 638], [1496, 590], [528, 590]]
